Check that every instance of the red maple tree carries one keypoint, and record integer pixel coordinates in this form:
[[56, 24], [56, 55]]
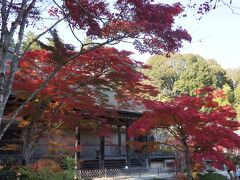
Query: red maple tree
[[148, 24], [199, 127], [90, 87]]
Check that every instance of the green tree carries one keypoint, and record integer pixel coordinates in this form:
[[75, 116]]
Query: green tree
[[29, 37], [164, 72], [195, 75], [199, 73], [184, 73], [221, 77], [234, 75]]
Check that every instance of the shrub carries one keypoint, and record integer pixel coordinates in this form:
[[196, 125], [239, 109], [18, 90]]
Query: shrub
[[7, 173], [49, 170], [69, 168], [180, 176], [46, 163], [43, 174], [213, 176]]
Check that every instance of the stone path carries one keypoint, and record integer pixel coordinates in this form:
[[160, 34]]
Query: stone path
[[146, 176]]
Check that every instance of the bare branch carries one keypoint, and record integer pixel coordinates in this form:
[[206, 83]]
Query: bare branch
[[231, 7], [19, 18], [3, 32], [41, 34], [4, 21], [13, 69], [69, 24], [171, 145], [9, 8]]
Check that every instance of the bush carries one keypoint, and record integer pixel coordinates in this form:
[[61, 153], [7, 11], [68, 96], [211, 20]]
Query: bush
[[46, 164], [69, 168], [212, 176], [43, 174], [180, 176], [49, 170], [7, 173]]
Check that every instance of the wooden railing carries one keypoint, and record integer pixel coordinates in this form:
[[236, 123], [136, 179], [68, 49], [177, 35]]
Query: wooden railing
[[83, 174]]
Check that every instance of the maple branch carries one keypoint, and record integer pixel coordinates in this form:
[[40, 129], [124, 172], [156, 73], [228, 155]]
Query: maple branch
[[176, 136], [75, 34], [173, 146], [69, 23], [231, 7], [41, 34], [101, 19], [45, 83], [180, 130], [43, 9], [81, 84], [89, 13]]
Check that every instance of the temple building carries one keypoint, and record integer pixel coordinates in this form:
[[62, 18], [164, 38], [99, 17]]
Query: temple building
[[95, 152]]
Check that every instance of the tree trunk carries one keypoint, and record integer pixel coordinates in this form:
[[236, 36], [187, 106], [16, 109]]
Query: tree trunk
[[27, 143], [3, 59], [5, 42], [187, 163], [43, 85], [6, 39], [77, 151]]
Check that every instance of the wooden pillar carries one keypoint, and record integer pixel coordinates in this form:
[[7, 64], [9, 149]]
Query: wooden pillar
[[119, 139], [78, 142], [127, 148], [102, 153], [77, 151], [77, 145], [147, 138], [146, 159]]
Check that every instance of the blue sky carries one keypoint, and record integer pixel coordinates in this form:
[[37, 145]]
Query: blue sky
[[216, 36]]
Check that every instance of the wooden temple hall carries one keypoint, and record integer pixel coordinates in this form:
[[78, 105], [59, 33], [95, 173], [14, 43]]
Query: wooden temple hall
[[111, 151], [96, 152]]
